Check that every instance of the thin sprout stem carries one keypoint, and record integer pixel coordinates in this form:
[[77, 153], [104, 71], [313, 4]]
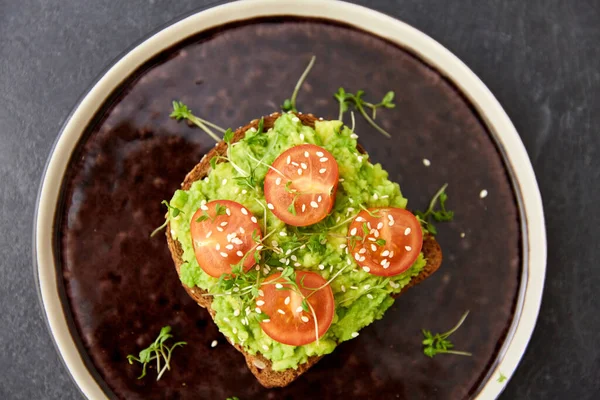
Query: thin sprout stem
[[460, 322], [265, 213], [269, 166], [214, 126], [301, 81], [460, 353], [434, 200], [328, 282], [371, 122], [314, 314], [353, 120], [200, 124]]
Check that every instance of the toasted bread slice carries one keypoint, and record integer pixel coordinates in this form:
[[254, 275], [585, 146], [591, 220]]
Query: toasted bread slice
[[259, 365]]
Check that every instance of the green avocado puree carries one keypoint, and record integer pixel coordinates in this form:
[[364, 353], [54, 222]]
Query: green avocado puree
[[360, 298]]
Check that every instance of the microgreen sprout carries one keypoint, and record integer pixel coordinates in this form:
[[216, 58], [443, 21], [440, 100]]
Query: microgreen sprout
[[158, 351], [439, 343], [181, 111], [440, 215], [290, 104], [172, 212], [346, 100]]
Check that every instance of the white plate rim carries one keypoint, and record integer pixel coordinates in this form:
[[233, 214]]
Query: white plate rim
[[433, 53]]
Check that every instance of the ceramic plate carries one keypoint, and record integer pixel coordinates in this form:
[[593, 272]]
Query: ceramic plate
[[107, 288]]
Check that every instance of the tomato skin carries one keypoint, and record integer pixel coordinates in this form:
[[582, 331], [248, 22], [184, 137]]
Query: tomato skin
[[403, 240], [304, 179], [295, 326], [221, 241]]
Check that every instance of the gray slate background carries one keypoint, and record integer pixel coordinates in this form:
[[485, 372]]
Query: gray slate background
[[539, 57]]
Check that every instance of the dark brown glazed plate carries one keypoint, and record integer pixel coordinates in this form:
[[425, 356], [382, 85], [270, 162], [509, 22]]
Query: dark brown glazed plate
[[117, 287]]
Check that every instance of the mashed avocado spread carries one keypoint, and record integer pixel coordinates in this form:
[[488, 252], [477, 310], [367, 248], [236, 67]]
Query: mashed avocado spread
[[360, 298]]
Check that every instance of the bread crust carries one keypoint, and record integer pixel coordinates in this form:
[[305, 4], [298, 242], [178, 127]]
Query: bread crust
[[266, 375]]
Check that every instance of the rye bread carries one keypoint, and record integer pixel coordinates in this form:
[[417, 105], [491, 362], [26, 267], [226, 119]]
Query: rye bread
[[259, 365]]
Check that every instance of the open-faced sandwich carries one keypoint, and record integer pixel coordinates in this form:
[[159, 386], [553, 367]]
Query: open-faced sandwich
[[294, 241]]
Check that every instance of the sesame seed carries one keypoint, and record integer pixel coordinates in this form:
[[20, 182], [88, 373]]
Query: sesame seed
[[280, 311], [391, 223], [287, 300], [236, 313], [373, 247], [208, 234], [370, 296], [322, 170], [297, 264], [354, 287], [303, 207], [343, 246], [304, 318], [219, 229], [226, 319], [372, 239], [354, 334], [296, 119], [266, 270], [385, 253], [228, 212], [306, 154], [239, 254], [270, 206], [265, 347], [253, 219], [366, 269], [462, 235], [360, 219], [282, 260], [320, 154], [360, 158], [380, 225], [383, 262], [288, 252], [376, 233], [299, 171], [406, 231], [302, 136], [426, 162], [314, 204], [289, 159], [362, 258], [282, 233], [234, 331], [224, 182], [295, 164], [218, 246], [375, 196], [244, 211], [408, 248], [274, 243], [278, 181], [299, 309], [369, 225], [242, 230], [244, 191], [214, 343], [224, 223], [278, 286], [483, 194], [294, 258], [353, 136], [384, 196], [258, 310], [394, 285], [229, 247], [391, 254], [353, 232], [266, 320], [260, 292], [357, 256], [224, 255], [330, 268], [321, 267], [323, 159], [303, 165], [349, 261], [203, 207], [362, 251]]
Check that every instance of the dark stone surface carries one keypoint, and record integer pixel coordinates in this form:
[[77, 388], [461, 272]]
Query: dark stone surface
[[538, 57]]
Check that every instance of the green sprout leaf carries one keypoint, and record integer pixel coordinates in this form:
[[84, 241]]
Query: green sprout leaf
[[439, 215], [439, 343], [181, 111], [158, 351]]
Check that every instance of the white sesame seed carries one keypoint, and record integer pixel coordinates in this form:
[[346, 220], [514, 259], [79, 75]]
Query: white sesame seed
[[304, 318], [224, 255], [375, 196], [383, 262], [362, 251], [265, 347], [353, 136], [282, 233], [320, 154], [303, 207], [321, 267], [391, 254], [234, 331], [353, 232], [244, 211], [295, 164], [302, 136], [331, 267], [360, 158], [354, 334], [391, 223], [341, 180], [306, 154], [258, 310], [214, 343], [239, 254], [322, 170], [303, 165], [228, 212], [287, 300], [278, 286], [357, 256], [296, 119], [280, 311], [253, 219], [394, 285], [226, 319], [278, 181], [219, 229], [244, 191], [349, 261], [366, 269], [274, 243], [266, 320], [266, 270], [343, 246], [236, 313], [323, 159], [289, 159], [224, 182], [283, 260], [483, 194], [462, 235], [376, 233], [242, 230], [297, 264], [208, 234], [426, 162], [408, 248], [372, 239], [362, 258], [260, 292], [218, 246], [373, 247], [380, 225], [314, 204], [224, 223], [370, 296], [299, 171], [354, 287], [203, 207], [229, 247], [360, 219], [270, 206], [407, 231], [299, 309], [294, 258], [385, 253]]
